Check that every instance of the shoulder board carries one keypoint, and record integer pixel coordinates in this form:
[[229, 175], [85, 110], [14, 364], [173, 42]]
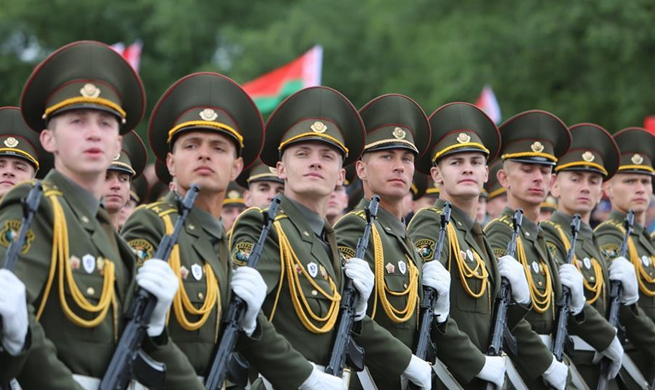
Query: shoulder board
[[161, 208], [435, 209], [502, 219], [611, 224], [48, 188]]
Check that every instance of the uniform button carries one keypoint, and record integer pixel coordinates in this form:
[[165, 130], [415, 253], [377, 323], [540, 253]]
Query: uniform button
[[314, 292], [539, 283], [404, 285], [388, 229], [459, 223], [592, 278], [201, 295], [306, 233], [527, 234], [85, 219], [191, 227], [90, 291]]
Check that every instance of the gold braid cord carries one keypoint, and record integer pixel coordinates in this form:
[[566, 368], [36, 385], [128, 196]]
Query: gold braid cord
[[289, 264], [382, 290], [540, 301], [181, 303], [465, 272], [642, 274]]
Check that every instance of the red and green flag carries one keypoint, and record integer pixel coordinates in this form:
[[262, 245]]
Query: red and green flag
[[272, 88]]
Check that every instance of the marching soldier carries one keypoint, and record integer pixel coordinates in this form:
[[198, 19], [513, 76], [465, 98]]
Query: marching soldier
[[532, 142], [138, 194], [309, 138], [463, 139], [79, 275], [233, 205], [127, 166], [206, 128], [261, 183], [631, 188]]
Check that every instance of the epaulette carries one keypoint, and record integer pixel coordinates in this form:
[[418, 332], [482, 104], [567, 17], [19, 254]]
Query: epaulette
[[611, 223], [359, 213], [435, 209], [503, 219], [160, 208]]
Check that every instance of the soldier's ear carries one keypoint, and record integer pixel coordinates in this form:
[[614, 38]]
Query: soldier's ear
[[170, 163], [281, 170], [47, 141], [237, 167], [435, 172], [502, 177], [554, 189], [360, 169]]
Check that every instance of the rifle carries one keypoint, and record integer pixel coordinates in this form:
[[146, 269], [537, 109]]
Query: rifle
[[562, 341], [500, 331], [30, 205], [344, 349], [226, 363], [616, 291], [129, 360]]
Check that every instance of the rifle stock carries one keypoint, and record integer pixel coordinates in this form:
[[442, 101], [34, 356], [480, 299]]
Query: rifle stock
[[128, 355], [224, 363]]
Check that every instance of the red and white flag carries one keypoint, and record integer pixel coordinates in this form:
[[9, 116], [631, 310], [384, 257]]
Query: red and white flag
[[488, 103], [131, 53]]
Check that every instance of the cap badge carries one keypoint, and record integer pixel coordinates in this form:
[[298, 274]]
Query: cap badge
[[318, 127], [463, 138], [537, 147], [637, 159], [272, 170], [588, 156], [399, 133], [233, 194], [208, 114], [11, 142], [90, 91]]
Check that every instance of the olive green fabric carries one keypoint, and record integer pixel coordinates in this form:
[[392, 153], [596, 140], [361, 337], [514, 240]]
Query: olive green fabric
[[60, 347], [133, 156], [459, 127], [609, 235], [258, 171], [637, 148], [203, 241], [206, 101], [83, 75], [314, 114], [161, 171], [588, 324], [492, 186], [395, 121], [317, 256], [463, 341], [592, 149]]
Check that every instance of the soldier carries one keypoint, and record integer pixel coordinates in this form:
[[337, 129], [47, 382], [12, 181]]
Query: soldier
[[233, 205], [593, 158], [127, 165], [497, 194], [424, 191], [532, 142], [309, 138], [138, 194], [463, 139], [631, 188], [79, 275], [261, 183], [206, 128]]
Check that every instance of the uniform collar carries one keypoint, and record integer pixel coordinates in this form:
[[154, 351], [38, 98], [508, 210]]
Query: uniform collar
[[458, 215], [212, 225], [564, 220], [527, 225], [386, 219], [84, 200], [315, 222], [620, 217]]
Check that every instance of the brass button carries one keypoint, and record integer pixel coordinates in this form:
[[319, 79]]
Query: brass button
[[90, 291], [388, 229], [306, 233], [592, 278], [404, 285], [314, 292], [527, 234], [201, 295], [539, 283], [85, 219], [191, 227]]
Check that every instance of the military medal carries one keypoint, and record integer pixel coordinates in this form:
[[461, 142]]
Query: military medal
[[312, 268], [196, 271], [390, 268], [645, 260], [402, 267], [587, 262], [469, 254], [89, 263], [184, 272], [74, 262]]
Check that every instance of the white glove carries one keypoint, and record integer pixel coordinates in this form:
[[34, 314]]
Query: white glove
[[515, 273], [157, 277], [248, 284], [363, 279], [615, 353], [493, 371], [557, 373], [624, 271], [319, 380], [572, 278], [435, 275], [13, 310], [419, 372]]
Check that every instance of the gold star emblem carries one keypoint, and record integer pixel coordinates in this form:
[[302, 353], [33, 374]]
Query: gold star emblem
[[318, 127], [637, 159], [90, 91], [537, 147], [11, 142], [208, 114], [463, 138], [588, 156], [399, 133]]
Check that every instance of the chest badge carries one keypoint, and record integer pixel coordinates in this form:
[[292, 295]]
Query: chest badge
[[312, 268], [535, 267], [402, 267], [390, 268], [89, 263], [587, 263], [196, 271], [645, 260], [184, 272]]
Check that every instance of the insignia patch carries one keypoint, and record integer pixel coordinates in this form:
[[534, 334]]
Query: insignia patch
[[552, 249], [196, 271], [184, 272], [537, 147], [90, 91], [89, 263], [610, 250], [346, 252], [312, 268], [637, 159], [463, 138], [425, 248], [11, 142], [241, 253], [587, 263], [535, 267], [390, 268], [402, 267], [399, 133], [234, 194], [323, 272], [74, 262], [10, 231], [143, 250], [208, 114], [588, 156], [500, 252], [298, 269], [469, 254], [462, 255], [645, 260], [318, 127]]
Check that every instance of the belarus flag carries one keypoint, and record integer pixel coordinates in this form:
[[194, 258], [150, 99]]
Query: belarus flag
[[488, 103], [272, 88], [131, 53]]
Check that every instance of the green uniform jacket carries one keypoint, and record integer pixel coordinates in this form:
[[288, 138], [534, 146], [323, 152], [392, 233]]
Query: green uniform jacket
[[396, 254], [383, 351], [60, 347], [589, 324], [465, 338], [609, 235], [203, 241], [10, 366]]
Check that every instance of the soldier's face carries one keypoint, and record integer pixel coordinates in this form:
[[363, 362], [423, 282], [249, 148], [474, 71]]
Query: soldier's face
[[629, 190], [577, 192], [338, 202], [84, 143], [13, 170], [117, 191], [261, 193], [229, 215], [461, 175], [528, 183], [387, 173], [208, 159], [311, 169]]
